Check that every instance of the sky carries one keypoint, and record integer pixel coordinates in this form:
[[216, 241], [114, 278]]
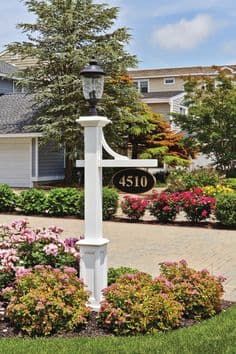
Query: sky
[[165, 33]]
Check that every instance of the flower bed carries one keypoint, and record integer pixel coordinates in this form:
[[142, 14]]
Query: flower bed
[[46, 299], [197, 204]]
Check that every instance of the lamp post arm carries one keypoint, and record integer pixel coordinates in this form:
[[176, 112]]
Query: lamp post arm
[[111, 152]]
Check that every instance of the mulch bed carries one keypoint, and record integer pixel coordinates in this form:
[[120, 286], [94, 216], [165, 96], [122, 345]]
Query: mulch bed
[[91, 329]]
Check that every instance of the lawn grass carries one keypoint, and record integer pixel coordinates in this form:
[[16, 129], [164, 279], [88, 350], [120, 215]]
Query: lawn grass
[[214, 336]]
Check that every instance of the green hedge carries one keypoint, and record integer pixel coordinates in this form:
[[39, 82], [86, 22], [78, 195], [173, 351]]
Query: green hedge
[[32, 201], [110, 203], [56, 202], [226, 209], [8, 199], [63, 201]]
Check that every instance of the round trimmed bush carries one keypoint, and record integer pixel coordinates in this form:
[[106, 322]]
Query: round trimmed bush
[[46, 300], [32, 201], [198, 291], [110, 203], [134, 304], [63, 201], [8, 198], [226, 209]]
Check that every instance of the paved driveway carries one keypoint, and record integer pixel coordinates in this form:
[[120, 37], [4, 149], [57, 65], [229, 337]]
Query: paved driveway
[[144, 246]]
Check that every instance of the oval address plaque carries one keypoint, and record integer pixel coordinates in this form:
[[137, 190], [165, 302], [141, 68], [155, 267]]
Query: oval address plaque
[[133, 181]]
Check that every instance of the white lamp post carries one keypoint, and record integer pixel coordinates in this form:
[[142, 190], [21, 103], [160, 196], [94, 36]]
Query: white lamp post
[[93, 248]]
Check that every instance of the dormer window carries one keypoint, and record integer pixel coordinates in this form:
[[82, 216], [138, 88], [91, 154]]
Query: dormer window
[[169, 81], [142, 85]]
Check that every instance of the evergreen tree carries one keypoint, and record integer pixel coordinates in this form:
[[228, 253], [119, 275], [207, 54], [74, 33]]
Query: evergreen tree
[[66, 34]]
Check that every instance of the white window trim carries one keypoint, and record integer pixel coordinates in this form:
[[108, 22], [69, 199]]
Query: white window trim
[[139, 86], [169, 83]]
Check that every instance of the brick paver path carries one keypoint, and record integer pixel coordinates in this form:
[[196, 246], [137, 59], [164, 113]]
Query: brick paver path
[[144, 246]]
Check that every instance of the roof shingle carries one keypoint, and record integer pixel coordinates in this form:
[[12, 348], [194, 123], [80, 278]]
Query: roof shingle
[[15, 113]]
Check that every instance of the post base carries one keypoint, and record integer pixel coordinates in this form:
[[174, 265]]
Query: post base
[[93, 269]]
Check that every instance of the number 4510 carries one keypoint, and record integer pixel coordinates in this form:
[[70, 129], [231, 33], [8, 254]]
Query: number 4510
[[133, 181]]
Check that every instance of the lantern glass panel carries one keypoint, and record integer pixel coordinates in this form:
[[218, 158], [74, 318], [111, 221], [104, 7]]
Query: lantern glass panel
[[93, 87]]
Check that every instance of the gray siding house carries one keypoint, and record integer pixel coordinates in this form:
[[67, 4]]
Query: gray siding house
[[24, 160]]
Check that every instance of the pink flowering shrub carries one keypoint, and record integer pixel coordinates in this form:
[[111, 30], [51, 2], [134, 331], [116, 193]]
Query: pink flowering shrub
[[134, 207], [164, 206], [137, 304], [23, 248], [199, 292], [46, 300], [196, 205]]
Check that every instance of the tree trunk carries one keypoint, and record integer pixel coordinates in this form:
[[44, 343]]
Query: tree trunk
[[69, 170]]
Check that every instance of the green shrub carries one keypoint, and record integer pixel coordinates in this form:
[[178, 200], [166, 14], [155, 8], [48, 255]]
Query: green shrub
[[8, 198], [32, 201], [115, 273], [110, 203], [186, 180], [45, 301], [226, 209], [63, 201], [230, 182], [135, 305], [199, 292]]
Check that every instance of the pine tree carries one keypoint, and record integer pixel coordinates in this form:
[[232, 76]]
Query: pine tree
[[66, 34]]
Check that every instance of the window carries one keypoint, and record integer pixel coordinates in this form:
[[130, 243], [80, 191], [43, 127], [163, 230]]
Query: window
[[169, 81], [142, 86]]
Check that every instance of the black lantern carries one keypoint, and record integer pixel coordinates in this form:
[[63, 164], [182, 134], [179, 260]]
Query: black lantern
[[93, 83]]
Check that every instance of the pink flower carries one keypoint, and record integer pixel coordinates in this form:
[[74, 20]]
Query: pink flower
[[22, 271], [70, 270], [204, 213], [51, 249]]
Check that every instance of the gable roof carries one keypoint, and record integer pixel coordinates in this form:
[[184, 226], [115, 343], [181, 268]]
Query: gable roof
[[15, 113], [6, 68], [181, 71]]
